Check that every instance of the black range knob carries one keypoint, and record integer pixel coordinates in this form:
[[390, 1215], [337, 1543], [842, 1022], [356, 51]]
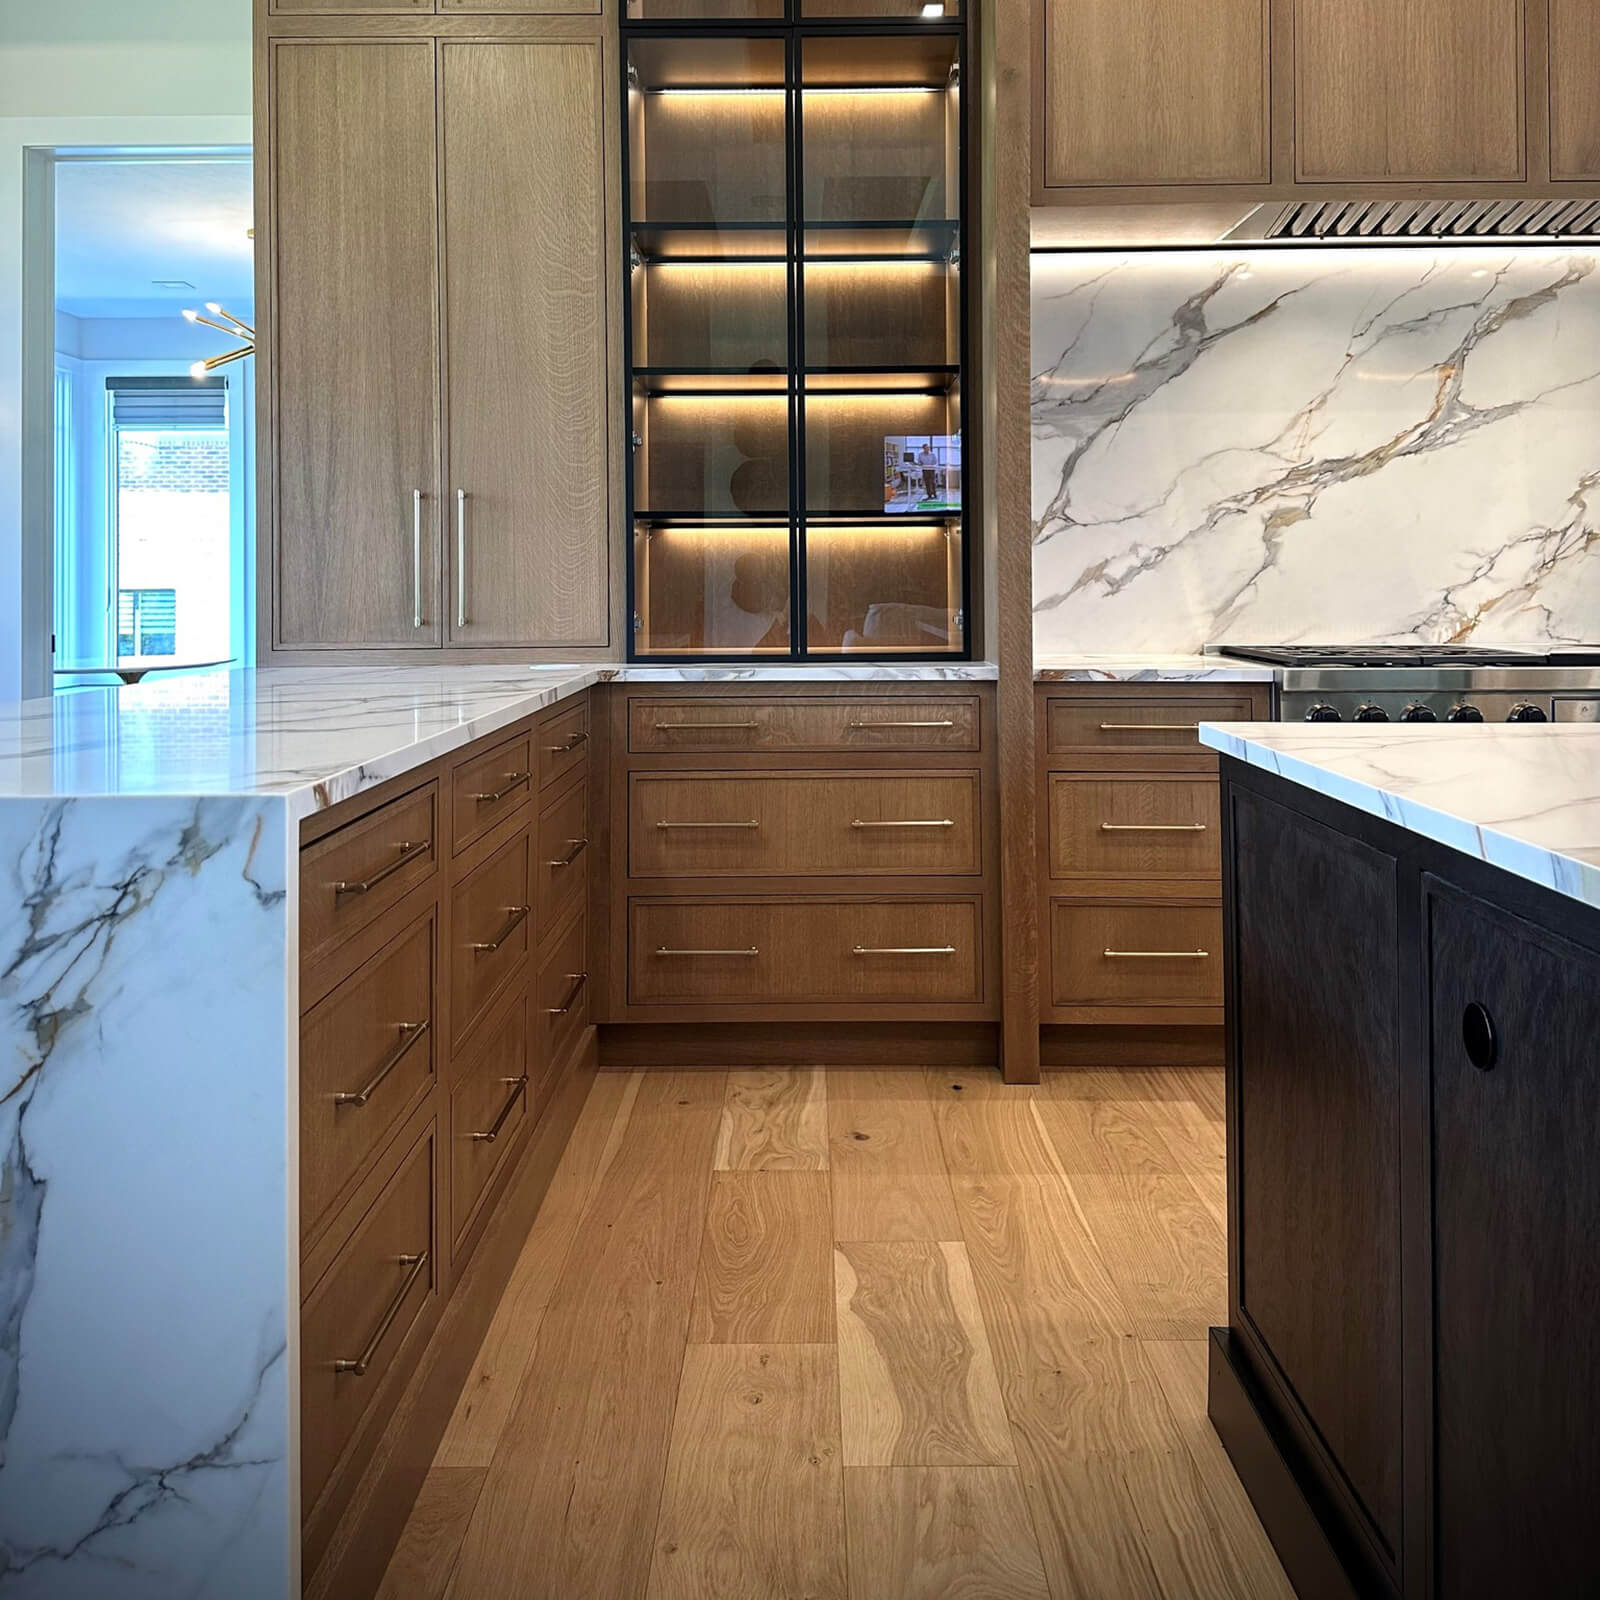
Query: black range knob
[[1417, 712], [1527, 711], [1322, 712], [1463, 713], [1371, 713]]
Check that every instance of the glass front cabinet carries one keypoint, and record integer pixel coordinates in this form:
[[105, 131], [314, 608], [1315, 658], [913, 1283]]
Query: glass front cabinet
[[796, 328]]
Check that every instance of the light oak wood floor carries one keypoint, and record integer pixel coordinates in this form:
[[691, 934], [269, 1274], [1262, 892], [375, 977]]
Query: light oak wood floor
[[856, 1335]]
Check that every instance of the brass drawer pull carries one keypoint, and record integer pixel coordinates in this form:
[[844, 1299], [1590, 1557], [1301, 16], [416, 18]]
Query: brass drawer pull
[[408, 852], [1152, 827], [576, 849], [867, 727], [573, 741], [511, 781], [1158, 955], [701, 727], [1149, 727], [753, 951], [517, 1087], [514, 922], [751, 823], [410, 1032], [577, 980], [941, 822], [358, 1368], [906, 950]]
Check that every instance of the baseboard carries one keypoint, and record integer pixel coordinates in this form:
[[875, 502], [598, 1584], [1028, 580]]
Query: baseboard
[[631, 1046], [1132, 1046], [369, 1529]]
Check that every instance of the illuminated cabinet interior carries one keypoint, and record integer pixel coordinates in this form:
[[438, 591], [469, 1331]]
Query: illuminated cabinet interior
[[796, 328]]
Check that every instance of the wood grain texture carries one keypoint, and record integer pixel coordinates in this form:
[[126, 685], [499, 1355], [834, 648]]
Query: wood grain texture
[[941, 1533], [987, 1126], [766, 1263], [753, 1502], [775, 1120], [917, 1380], [1574, 69], [425, 1558], [887, 1167]]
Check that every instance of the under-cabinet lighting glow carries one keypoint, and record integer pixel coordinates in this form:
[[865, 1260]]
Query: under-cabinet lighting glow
[[934, 8], [873, 88]]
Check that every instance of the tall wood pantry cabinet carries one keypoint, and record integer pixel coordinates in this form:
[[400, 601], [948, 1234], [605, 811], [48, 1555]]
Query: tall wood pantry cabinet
[[436, 448]]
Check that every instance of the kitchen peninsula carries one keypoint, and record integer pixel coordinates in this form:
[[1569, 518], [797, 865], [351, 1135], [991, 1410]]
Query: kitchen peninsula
[[1407, 1381]]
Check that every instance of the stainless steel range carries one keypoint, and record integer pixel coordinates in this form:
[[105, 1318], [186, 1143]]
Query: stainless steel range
[[1429, 683]]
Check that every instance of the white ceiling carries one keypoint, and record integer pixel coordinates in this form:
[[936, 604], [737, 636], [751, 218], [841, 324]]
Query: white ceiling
[[123, 224]]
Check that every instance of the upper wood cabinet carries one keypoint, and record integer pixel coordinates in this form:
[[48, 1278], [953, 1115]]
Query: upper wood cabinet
[[1419, 90], [406, 8], [1153, 92], [1574, 104]]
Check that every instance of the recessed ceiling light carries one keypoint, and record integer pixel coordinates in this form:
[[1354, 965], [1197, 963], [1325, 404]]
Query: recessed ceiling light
[[170, 283]]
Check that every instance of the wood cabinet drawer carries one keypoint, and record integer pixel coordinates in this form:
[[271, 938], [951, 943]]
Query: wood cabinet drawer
[[1140, 725], [491, 931], [561, 1007], [367, 1051], [562, 744], [744, 952], [488, 1107], [357, 1316], [357, 873], [773, 824], [561, 864], [1152, 954], [881, 722], [490, 787], [1135, 827]]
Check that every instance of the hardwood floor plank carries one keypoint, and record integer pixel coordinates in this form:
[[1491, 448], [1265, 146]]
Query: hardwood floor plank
[[916, 1376], [987, 1126], [753, 1504], [480, 1415], [425, 1558], [1106, 1136], [766, 1262], [887, 1165], [570, 1504], [775, 1120], [1206, 1086], [941, 1533]]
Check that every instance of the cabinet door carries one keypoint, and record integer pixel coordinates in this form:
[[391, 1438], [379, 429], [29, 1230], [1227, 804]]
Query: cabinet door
[[349, 8], [524, 8], [1516, 1266], [1427, 90], [526, 342], [354, 330], [1154, 92], [1574, 106]]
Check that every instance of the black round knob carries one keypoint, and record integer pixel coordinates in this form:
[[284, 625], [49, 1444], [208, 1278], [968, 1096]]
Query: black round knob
[[1417, 712], [1371, 713], [1464, 713], [1527, 711], [1477, 1034], [1322, 712]]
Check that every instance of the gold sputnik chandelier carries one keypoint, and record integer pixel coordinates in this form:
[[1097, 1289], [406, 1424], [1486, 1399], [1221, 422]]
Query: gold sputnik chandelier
[[230, 325]]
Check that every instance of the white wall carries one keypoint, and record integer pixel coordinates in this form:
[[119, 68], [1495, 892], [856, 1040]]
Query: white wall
[[94, 74]]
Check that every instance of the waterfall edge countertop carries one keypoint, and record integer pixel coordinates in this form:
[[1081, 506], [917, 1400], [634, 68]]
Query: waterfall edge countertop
[[1524, 798], [314, 736]]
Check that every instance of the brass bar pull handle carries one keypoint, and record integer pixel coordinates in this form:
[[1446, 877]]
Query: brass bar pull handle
[[905, 950], [358, 1368], [749, 954], [518, 1085], [416, 558], [940, 822], [1152, 827], [1158, 955], [1149, 727], [410, 1032], [673, 727], [577, 979], [665, 826], [577, 847], [573, 740], [514, 922], [461, 558], [511, 782], [408, 852], [867, 727]]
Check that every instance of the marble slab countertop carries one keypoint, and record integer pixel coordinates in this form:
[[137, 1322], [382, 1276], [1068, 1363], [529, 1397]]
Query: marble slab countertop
[[317, 735], [1522, 798], [1057, 667]]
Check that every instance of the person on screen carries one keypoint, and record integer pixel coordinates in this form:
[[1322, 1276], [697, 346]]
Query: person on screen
[[929, 463]]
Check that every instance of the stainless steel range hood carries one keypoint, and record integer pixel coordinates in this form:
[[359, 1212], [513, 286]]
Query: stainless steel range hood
[[1437, 221]]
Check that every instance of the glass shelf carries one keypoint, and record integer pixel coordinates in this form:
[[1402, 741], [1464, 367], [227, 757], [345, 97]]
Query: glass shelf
[[707, 589], [881, 313], [711, 452], [884, 587], [883, 451], [731, 314]]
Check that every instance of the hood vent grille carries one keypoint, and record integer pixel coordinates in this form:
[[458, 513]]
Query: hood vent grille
[[1547, 221]]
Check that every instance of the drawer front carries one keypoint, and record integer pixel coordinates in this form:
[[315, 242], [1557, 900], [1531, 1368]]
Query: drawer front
[[366, 1052], [1113, 954], [1141, 725], [882, 722], [491, 787], [488, 1106], [561, 865], [491, 931], [356, 874], [561, 1007], [1137, 827], [845, 952], [562, 744], [860, 824], [357, 1316]]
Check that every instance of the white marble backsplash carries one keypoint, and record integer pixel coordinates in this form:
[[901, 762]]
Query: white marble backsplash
[[1315, 446]]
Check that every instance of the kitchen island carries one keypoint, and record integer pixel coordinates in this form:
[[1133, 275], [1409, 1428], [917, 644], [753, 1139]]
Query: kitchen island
[[1407, 1384]]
